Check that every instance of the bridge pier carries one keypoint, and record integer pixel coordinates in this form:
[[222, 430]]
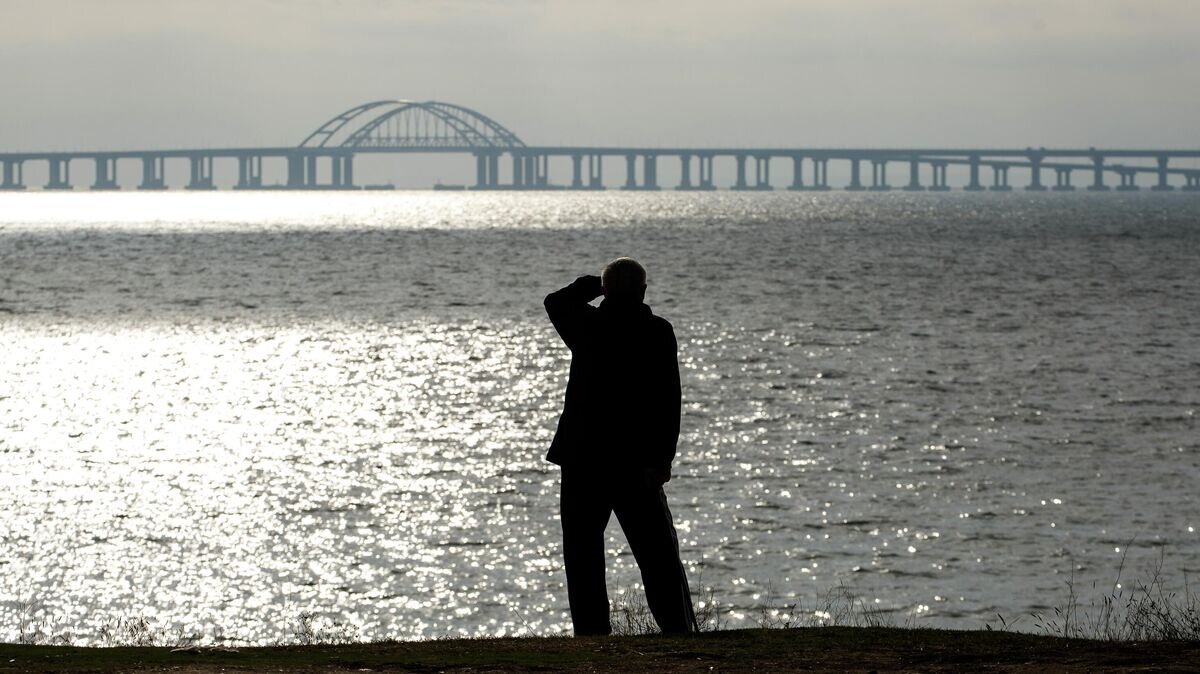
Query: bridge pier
[[939, 177], [797, 173], [855, 181], [532, 166], [152, 174], [12, 178], [1098, 175], [821, 174], [1163, 185], [1035, 174], [762, 173], [740, 182], [1192, 181], [335, 172], [650, 172], [914, 176], [704, 166], [249, 173], [518, 171], [879, 175], [295, 171], [60, 175], [481, 171], [201, 176], [1128, 180], [1000, 178], [973, 185], [310, 172], [685, 172], [576, 171], [106, 174], [596, 172], [1062, 180]]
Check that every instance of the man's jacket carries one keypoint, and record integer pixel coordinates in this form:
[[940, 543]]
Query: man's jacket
[[622, 405]]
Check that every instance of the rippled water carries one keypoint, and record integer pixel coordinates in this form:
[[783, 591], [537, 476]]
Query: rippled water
[[222, 410]]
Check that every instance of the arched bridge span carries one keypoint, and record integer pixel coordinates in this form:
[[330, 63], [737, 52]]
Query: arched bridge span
[[392, 124]]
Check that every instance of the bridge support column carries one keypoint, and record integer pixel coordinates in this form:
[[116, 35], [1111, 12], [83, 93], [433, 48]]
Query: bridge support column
[[821, 174], [855, 176], [295, 171], [201, 173], [740, 184], [481, 171], [1000, 178], [1163, 185], [348, 172], [685, 172], [914, 176], [12, 175], [310, 172], [493, 171], [544, 173], [879, 175], [939, 177], [1128, 181], [152, 174], [762, 173], [335, 172], [106, 174], [518, 171], [973, 184], [797, 173], [596, 172], [650, 172], [1192, 182], [630, 172], [706, 172], [1098, 175], [60, 175], [249, 173], [1062, 180], [532, 164], [1035, 174], [576, 171]]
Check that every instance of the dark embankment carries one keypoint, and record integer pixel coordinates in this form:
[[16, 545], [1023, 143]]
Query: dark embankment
[[819, 649]]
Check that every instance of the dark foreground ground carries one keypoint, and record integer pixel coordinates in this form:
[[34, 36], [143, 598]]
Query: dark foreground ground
[[814, 649]]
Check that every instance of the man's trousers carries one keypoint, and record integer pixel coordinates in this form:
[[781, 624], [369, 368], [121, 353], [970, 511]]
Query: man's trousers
[[588, 498]]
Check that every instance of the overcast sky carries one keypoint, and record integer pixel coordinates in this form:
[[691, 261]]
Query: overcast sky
[[146, 73]]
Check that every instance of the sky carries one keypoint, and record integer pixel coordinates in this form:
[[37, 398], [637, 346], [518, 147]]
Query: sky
[[85, 74]]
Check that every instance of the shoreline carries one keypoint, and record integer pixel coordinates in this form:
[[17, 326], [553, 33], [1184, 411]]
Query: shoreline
[[769, 650]]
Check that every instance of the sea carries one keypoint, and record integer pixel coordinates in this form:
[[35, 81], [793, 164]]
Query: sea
[[235, 415]]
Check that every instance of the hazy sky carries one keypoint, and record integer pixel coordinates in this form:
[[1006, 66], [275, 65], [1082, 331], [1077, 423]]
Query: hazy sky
[[145, 73]]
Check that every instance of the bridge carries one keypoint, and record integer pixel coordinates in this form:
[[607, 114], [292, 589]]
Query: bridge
[[325, 160]]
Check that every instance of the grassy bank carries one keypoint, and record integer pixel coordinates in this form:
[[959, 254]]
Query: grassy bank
[[820, 649]]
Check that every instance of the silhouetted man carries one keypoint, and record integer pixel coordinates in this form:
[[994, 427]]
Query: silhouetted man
[[615, 442]]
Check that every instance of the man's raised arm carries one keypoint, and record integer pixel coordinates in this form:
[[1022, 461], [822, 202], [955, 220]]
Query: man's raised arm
[[568, 306]]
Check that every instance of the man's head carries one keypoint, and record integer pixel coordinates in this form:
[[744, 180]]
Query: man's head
[[624, 280]]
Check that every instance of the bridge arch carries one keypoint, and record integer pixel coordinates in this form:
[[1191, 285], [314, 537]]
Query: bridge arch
[[401, 124]]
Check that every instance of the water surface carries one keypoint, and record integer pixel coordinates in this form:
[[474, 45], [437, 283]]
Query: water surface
[[222, 410]]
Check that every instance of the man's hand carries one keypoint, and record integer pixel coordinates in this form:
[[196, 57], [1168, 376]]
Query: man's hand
[[591, 285]]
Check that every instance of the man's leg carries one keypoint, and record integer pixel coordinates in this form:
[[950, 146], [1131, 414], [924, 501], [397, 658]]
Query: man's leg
[[646, 520], [585, 511]]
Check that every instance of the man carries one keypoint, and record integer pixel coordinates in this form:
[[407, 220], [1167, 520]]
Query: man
[[615, 442]]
